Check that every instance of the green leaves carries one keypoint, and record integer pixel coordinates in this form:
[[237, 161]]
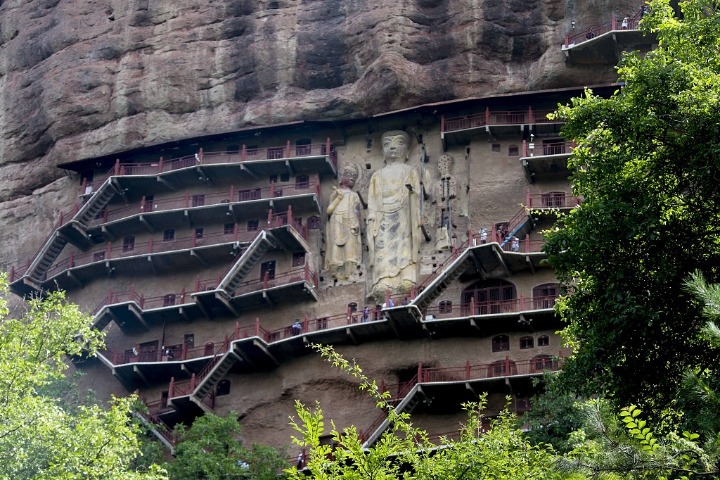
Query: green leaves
[[41, 436]]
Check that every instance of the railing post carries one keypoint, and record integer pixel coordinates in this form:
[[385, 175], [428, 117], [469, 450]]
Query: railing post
[[272, 189], [413, 292], [524, 148], [487, 115], [200, 154], [266, 279], [327, 146], [289, 216], [531, 120], [257, 326], [184, 351], [72, 260], [150, 245], [171, 388], [287, 149], [192, 383], [270, 215], [567, 40], [521, 305], [472, 306], [307, 271], [442, 124], [613, 21], [420, 373], [108, 250], [467, 369], [117, 167], [160, 165], [243, 153], [142, 204]]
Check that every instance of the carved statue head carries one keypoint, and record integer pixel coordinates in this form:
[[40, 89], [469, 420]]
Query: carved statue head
[[396, 145], [349, 175], [444, 165]]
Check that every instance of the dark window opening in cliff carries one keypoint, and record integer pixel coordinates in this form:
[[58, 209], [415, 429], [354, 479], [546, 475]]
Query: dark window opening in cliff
[[513, 151], [245, 195], [252, 225], [500, 343], [313, 223], [526, 342], [543, 362], [502, 368], [489, 296], [228, 229], [273, 178], [148, 202], [285, 177], [445, 306], [129, 243], [169, 300], [543, 341], [274, 153], [198, 200], [98, 256], [302, 182], [267, 270], [298, 259], [199, 233], [189, 340], [495, 147], [544, 295], [223, 388], [302, 147], [148, 351], [169, 235]]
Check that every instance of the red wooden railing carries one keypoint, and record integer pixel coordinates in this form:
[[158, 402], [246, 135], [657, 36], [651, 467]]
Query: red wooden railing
[[545, 149], [627, 23], [233, 195], [245, 154], [467, 372], [495, 118]]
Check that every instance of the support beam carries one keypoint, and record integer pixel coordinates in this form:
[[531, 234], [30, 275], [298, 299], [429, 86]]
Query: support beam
[[164, 181], [148, 226], [245, 169], [74, 278], [267, 298], [107, 233], [267, 352], [291, 170], [220, 295], [351, 334], [529, 261], [196, 254], [501, 260], [136, 370]]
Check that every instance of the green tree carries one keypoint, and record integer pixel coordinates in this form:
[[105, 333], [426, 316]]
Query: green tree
[[647, 165], [210, 450], [406, 452], [40, 436]]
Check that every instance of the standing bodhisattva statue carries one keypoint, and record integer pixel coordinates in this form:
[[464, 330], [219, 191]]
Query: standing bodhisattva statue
[[393, 222], [344, 247]]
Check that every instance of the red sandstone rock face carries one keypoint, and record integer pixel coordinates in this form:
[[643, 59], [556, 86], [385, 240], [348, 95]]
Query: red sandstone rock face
[[82, 78]]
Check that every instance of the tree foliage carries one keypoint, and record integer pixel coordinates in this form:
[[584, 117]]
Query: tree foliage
[[40, 437], [648, 166], [209, 450], [404, 451]]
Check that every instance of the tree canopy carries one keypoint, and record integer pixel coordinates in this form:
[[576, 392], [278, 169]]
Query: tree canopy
[[647, 165], [41, 437]]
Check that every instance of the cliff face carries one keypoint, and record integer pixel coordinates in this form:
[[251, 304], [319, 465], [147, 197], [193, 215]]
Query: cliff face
[[83, 78]]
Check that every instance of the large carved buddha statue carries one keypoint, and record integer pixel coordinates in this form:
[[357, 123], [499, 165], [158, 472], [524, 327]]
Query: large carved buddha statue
[[393, 221]]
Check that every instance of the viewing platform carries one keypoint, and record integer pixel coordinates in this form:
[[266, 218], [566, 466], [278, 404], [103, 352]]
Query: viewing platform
[[604, 44]]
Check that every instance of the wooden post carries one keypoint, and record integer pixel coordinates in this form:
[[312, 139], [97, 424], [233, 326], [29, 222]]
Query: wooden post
[[467, 369], [287, 149], [266, 279], [117, 166], [171, 388], [487, 115], [160, 165], [420, 373], [257, 326], [200, 154], [243, 153], [289, 215], [192, 383], [442, 124], [472, 306]]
